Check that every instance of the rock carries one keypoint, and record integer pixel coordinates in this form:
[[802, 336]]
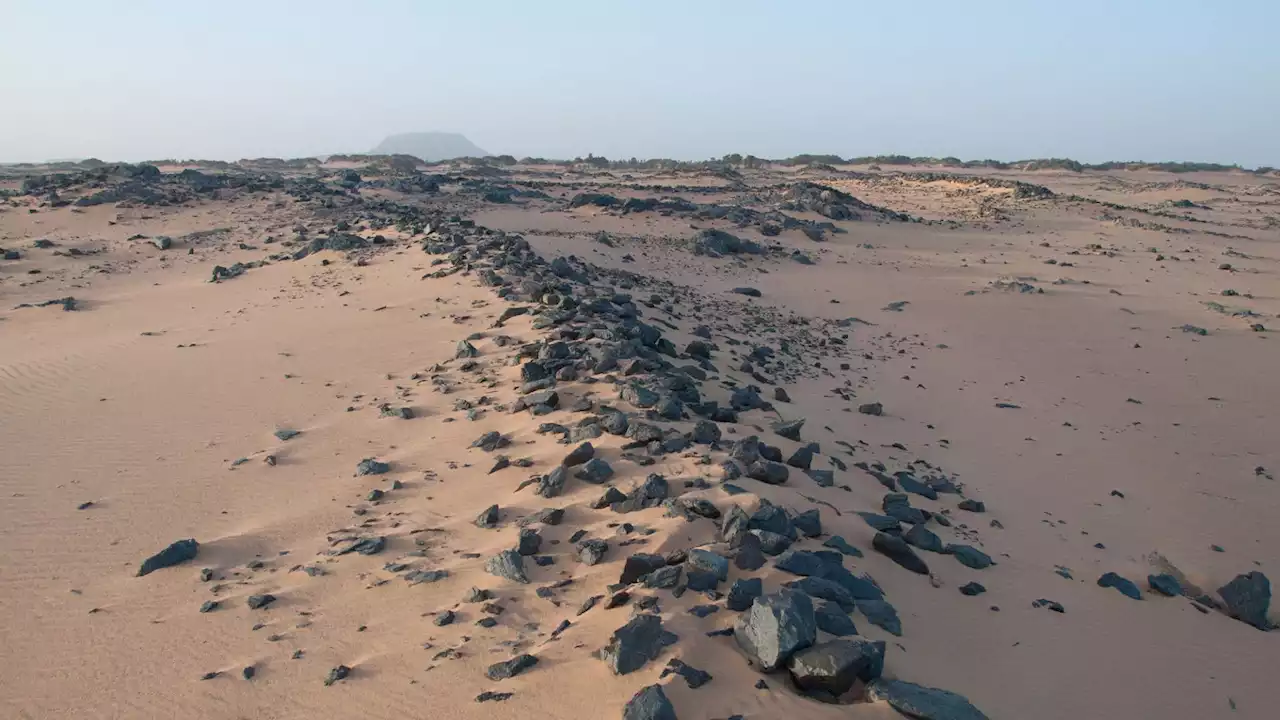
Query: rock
[[746, 450], [507, 564], [257, 602], [770, 543], [743, 592], [871, 409], [883, 523], [445, 618], [1247, 598], [924, 703], [579, 455], [897, 550], [491, 441], [823, 589], [635, 644], [971, 505], [776, 627], [768, 472], [834, 620], [824, 478], [789, 429], [898, 507], [596, 471], [465, 350], [546, 516], [610, 497], [175, 554], [529, 543], [970, 556], [800, 562], [750, 555], [1122, 585], [772, 518], [711, 562], [341, 672], [694, 677], [923, 538], [831, 668], [285, 434], [972, 589], [510, 668], [705, 432], [839, 543], [552, 484], [477, 595], [1165, 584], [615, 423], [664, 578], [592, 551], [650, 703], [881, 614], [369, 466], [809, 523], [639, 565], [488, 518], [1050, 604], [748, 291]]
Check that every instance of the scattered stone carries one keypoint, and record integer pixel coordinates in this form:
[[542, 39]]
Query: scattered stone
[[871, 409], [744, 592], [834, 620], [257, 602], [510, 668], [370, 466], [970, 556], [341, 672], [488, 518], [972, 589], [693, 676], [1165, 584], [1122, 585], [175, 554]]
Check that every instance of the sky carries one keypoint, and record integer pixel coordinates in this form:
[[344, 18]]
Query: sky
[[1092, 80]]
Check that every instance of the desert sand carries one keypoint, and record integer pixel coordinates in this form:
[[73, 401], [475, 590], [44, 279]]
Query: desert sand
[[1036, 377]]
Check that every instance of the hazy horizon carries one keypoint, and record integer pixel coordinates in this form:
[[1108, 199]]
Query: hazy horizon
[[1097, 81]]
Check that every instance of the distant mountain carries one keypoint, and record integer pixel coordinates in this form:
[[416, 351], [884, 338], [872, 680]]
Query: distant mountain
[[429, 146]]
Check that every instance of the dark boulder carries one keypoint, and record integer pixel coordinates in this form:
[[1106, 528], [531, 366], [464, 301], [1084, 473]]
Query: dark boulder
[[633, 645], [650, 703], [924, 703], [897, 550], [1122, 585], [830, 669], [1247, 598], [776, 627]]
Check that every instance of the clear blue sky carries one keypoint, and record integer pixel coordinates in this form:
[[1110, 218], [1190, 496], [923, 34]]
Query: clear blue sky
[[1089, 79]]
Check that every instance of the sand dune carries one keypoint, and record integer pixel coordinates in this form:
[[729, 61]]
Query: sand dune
[[1085, 357]]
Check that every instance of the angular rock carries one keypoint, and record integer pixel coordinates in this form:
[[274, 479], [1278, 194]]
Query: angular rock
[[714, 563], [768, 472], [970, 556], [510, 668], [488, 518], [1247, 598], [830, 669], [824, 589], [650, 703], [881, 614], [175, 554], [633, 645], [924, 703], [839, 543], [1122, 585], [507, 564], [579, 455], [800, 562], [639, 565], [809, 523], [923, 538], [897, 550], [789, 429], [743, 592], [776, 627], [592, 551], [833, 620], [369, 466], [529, 543], [1165, 584]]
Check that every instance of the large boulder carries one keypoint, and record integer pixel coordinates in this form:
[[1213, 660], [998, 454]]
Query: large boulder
[[1247, 599], [635, 644], [830, 669], [650, 703], [776, 627]]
